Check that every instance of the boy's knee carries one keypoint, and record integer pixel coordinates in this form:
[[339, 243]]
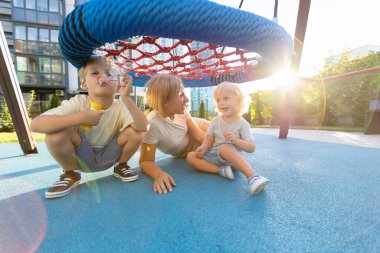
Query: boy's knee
[[130, 135], [56, 138]]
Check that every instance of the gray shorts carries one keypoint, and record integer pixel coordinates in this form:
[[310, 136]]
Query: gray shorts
[[214, 157], [97, 159]]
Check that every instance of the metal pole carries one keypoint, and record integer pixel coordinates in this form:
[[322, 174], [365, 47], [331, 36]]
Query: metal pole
[[299, 37]]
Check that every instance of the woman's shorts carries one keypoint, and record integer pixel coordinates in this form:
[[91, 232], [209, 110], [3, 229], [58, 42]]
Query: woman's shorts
[[97, 159]]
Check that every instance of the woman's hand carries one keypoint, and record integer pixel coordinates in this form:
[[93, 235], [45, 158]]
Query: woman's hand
[[163, 183]]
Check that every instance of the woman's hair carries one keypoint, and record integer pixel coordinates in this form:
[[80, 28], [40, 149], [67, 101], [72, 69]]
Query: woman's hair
[[236, 91], [161, 88]]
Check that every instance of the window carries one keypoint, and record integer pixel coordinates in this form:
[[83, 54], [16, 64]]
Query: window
[[54, 19], [18, 3], [42, 5], [32, 33], [42, 17], [54, 36], [44, 35], [21, 63], [53, 5], [44, 65], [20, 32], [31, 16], [18, 14], [56, 66], [31, 4]]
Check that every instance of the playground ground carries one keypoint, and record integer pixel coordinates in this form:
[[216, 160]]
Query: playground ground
[[323, 196]]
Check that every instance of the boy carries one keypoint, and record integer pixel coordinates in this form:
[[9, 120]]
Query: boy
[[81, 139]]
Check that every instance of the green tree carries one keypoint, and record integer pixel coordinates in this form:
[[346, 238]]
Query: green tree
[[54, 102], [350, 96], [31, 103], [6, 124], [202, 111]]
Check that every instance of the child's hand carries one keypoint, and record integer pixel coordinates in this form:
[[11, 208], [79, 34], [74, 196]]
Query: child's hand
[[230, 137], [199, 152], [125, 87], [90, 117]]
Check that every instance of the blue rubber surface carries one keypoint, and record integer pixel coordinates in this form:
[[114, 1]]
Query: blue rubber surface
[[322, 197], [95, 23]]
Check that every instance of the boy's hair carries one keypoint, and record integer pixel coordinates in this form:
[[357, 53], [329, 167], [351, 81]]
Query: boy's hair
[[161, 88], [94, 59], [236, 91]]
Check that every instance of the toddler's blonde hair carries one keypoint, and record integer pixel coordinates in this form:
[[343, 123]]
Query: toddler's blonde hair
[[236, 91], [161, 88]]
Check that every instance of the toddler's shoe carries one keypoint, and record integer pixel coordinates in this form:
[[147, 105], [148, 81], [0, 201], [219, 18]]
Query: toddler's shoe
[[226, 171], [256, 184]]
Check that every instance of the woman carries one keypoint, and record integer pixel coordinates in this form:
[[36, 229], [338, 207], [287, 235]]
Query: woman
[[171, 128]]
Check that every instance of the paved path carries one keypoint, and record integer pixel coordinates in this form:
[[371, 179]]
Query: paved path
[[348, 138]]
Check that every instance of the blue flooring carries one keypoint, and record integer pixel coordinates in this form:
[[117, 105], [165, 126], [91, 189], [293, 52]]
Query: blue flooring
[[322, 197]]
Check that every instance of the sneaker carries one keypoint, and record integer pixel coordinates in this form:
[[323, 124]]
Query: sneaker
[[125, 173], [67, 181], [226, 171], [256, 184]]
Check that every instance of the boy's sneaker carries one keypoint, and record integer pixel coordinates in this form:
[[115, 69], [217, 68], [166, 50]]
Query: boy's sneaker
[[67, 181], [256, 184], [226, 171], [125, 173]]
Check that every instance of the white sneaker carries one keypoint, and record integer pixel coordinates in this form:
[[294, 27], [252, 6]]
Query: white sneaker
[[256, 184], [226, 171]]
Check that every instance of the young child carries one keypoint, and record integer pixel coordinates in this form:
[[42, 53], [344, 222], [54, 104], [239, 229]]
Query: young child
[[89, 140], [228, 134]]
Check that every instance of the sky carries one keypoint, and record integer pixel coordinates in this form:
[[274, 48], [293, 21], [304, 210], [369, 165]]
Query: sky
[[333, 26]]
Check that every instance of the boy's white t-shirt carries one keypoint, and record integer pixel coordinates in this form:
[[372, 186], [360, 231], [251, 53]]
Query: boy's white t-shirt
[[171, 136], [114, 119]]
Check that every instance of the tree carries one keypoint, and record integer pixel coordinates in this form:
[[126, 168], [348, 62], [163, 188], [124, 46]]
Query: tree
[[202, 111], [350, 96], [54, 102], [6, 124], [31, 102]]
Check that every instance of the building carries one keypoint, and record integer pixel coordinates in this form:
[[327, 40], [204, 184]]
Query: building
[[31, 28], [203, 93]]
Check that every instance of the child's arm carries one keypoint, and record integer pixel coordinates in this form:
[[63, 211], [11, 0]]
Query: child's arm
[[247, 146], [206, 145], [139, 120], [49, 124]]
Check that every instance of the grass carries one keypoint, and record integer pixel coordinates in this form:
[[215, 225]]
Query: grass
[[12, 137]]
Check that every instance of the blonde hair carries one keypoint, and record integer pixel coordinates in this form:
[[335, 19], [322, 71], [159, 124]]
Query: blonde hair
[[93, 60], [162, 88], [236, 91]]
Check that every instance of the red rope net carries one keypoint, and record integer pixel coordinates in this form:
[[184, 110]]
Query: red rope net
[[186, 59]]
